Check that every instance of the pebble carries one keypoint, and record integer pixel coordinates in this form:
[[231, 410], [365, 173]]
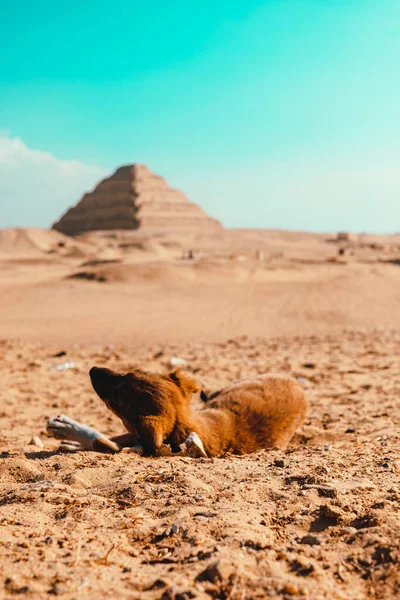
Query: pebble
[[311, 540], [176, 361], [291, 589], [58, 589], [36, 441], [175, 529], [201, 518], [64, 366], [348, 531], [279, 462], [354, 484], [216, 571], [331, 512], [147, 488], [184, 595], [323, 490]]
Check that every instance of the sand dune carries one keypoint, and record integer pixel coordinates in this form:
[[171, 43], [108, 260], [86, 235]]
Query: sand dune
[[29, 241], [146, 290]]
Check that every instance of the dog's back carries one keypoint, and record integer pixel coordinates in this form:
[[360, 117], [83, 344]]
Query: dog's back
[[266, 411]]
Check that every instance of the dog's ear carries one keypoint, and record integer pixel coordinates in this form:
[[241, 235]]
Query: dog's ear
[[187, 384]]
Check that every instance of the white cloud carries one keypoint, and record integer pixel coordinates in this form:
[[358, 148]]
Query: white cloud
[[36, 187]]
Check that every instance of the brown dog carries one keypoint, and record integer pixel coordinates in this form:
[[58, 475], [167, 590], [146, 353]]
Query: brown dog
[[246, 416]]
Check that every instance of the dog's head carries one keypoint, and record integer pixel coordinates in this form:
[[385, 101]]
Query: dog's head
[[141, 394]]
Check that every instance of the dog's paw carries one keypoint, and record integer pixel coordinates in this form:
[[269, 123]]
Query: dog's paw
[[193, 446], [138, 449], [164, 450]]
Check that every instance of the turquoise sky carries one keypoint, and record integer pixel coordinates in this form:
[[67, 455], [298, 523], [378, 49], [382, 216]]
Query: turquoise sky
[[267, 113]]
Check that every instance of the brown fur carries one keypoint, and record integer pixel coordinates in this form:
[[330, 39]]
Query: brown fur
[[244, 417]]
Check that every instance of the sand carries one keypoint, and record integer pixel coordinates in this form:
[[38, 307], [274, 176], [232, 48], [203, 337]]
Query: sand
[[320, 520]]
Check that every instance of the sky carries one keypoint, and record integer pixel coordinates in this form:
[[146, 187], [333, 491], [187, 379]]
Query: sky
[[267, 113]]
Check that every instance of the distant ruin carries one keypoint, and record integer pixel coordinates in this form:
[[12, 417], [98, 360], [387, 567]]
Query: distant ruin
[[132, 198]]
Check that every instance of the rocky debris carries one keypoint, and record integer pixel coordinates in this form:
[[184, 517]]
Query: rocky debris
[[216, 571], [92, 515], [36, 441], [176, 361], [134, 197], [311, 540]]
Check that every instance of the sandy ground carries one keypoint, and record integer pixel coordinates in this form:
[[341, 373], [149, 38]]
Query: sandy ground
[[320, 520]]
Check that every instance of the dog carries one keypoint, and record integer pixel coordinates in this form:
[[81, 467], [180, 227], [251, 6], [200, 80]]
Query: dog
[[246, 416]]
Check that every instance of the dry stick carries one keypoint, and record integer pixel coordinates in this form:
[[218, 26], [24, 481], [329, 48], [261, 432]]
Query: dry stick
[[65, 428], [78, 552], [104, 560]]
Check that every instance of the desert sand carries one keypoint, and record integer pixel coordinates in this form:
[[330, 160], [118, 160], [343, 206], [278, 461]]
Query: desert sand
[[319, 520]]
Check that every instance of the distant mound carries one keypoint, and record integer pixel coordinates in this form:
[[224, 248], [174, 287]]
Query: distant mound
[[154, 272], [132, 198], [31, 243], [23, 241], [166, 274]]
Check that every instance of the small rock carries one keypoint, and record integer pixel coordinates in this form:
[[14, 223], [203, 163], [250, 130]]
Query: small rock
[[169, 594], [311, 540], [147, 488], [84, 583], [366, 521], [13, 588], [326, 491], [64, 366], [331, 512], [216, 571], [350, 430], [175, 361], [291, 590], [347, 531], [36, 441], [354, 484], [156, 585], [279, 462], [188, 595], [322, 470], [58, 589], [175, 529], [201, 518]]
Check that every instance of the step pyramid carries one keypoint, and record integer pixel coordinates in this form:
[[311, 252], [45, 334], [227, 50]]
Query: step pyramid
[[132, 198]]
